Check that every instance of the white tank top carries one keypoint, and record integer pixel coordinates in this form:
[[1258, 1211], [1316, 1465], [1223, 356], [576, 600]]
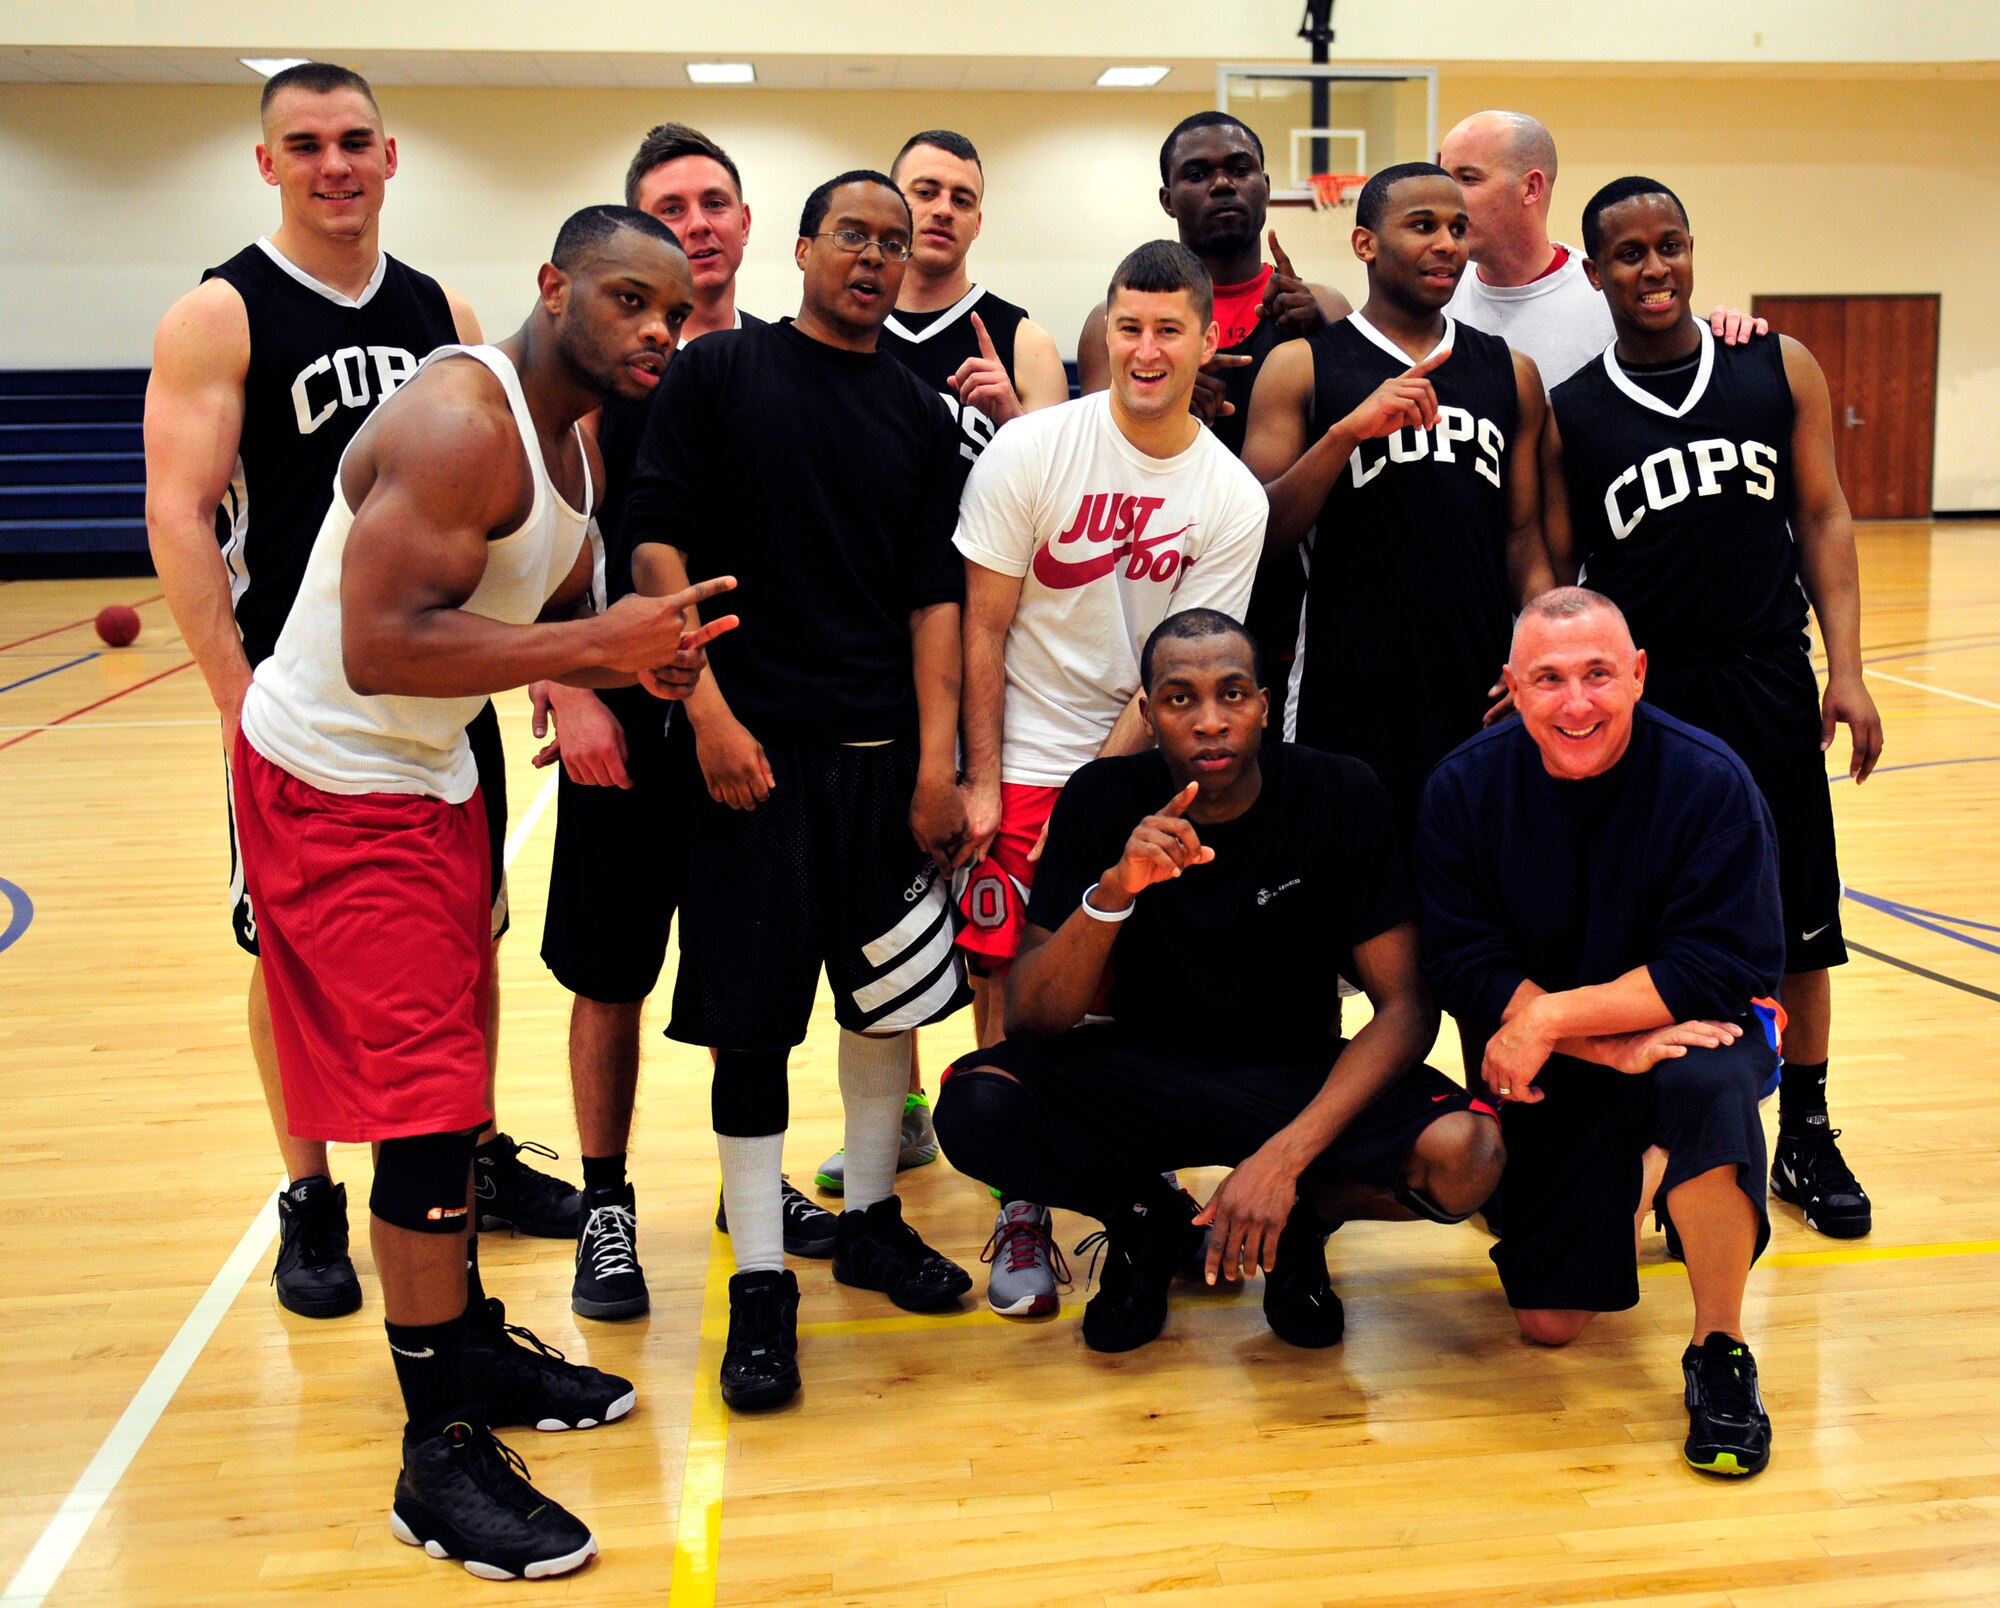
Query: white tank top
[[303, 716]]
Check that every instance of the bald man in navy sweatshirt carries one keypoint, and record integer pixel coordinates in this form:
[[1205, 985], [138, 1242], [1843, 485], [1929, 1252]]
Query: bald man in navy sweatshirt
[[1600, 907]]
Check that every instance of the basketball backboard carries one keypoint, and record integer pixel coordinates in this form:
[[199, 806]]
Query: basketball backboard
[[1331, 119]]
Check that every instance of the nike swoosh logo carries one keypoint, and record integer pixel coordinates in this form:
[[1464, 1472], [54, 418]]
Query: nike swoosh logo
[[486, 1189], [1808, 937], [1437, 1097], [1053, 572], [418, 1355]]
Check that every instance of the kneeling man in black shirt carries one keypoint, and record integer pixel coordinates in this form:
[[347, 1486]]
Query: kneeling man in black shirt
[[1601, 911], [1233, 882]]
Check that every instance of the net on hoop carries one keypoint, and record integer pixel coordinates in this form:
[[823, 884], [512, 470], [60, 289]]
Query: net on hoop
[[1330, 190]]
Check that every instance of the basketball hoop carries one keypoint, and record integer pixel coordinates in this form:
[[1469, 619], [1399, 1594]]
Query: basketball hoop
[[1331, 190]]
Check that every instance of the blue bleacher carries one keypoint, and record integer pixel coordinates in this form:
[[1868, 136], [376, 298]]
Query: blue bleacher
[[72, 473]]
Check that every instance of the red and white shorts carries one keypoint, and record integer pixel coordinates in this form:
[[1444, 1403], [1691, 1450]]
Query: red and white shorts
[[374, 917], [993, 895]]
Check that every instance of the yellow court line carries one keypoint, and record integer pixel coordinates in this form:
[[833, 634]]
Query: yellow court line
[[698, 1543]]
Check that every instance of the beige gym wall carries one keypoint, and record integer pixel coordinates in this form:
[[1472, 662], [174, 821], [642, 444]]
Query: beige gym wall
[[115, 196]]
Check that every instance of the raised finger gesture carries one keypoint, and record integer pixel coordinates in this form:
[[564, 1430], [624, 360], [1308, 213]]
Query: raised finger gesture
[[1161, 847], [982, 383], [1288, 301], [1406, 402]]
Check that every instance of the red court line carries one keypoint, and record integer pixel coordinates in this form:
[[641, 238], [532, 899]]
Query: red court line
[[185, 664], [73, 624]]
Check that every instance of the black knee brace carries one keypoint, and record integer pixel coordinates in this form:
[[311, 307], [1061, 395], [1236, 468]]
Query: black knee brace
[[421, 1183], [750, 1095]]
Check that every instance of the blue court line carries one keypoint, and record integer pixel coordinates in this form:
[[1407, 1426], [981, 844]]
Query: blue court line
[[1926, 653], [37, 676], [23, 912], [1902, 912], [1920, 764]]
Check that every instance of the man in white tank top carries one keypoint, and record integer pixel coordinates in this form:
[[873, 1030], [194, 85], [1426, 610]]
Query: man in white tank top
[[455, 561]]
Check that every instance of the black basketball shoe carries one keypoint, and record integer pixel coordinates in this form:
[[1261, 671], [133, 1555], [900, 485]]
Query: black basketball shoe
[[462, 1494], [760, 1362], [877, 1250], [519, 1379], [1810, 1172], [810, 1229], [511, 1194], [1299, 1300], [1141, 1251], [609, 1281], [314, 1274], [1728, 1430]]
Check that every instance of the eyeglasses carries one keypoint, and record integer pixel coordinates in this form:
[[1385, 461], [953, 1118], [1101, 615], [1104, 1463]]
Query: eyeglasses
[[853, 240]]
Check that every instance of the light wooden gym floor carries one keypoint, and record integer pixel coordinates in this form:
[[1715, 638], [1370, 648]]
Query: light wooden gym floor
[[959, 1460]]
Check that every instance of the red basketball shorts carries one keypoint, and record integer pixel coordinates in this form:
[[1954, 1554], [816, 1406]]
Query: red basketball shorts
[[994, 898], [374, 920]]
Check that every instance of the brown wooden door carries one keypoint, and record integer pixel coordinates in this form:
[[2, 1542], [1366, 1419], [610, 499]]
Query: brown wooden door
[[1880, 358]]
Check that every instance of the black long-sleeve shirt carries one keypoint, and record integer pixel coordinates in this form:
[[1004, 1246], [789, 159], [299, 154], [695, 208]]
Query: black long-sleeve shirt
[[1667, 861], [826, 481]]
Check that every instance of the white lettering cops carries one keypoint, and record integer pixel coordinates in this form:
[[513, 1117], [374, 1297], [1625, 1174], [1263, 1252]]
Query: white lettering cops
[[1455, 427], [349, 384], [1665, 480]]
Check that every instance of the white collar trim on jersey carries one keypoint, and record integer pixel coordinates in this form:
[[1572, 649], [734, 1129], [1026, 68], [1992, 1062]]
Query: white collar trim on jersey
[[1645, 398], [951, 315], [338, 298], [1445, 341]]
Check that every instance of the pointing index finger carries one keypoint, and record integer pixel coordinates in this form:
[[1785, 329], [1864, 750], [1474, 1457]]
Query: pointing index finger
[[1417, 371], [1177, 805], [1279, 259], [986, 348]]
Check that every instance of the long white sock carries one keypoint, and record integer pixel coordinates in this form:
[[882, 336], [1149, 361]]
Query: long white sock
[[874, 1080], [752, 1175]]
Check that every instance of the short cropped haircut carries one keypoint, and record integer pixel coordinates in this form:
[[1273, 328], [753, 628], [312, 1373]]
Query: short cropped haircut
[[820, 202], [1566, 603], [1608, 197], [585, 232], [1190, 625], [1165, 265], [318, 78], [669, 142], [1203, 120], [1375, 193], [945, 140]]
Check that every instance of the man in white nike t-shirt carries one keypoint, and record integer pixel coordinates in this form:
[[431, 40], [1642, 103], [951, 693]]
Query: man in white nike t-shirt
[[1082, 527]]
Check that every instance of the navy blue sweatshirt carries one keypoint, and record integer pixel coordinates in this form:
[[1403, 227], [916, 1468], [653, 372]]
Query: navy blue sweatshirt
[[1667, 861]]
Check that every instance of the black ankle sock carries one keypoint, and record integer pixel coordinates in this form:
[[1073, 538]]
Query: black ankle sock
[[604, 1175], [1802, 1097], [430, 1366], [475, 1292], [302, 1189]]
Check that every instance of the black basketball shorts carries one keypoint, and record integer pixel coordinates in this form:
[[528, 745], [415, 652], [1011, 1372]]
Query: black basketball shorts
[[488, 754], [823, 872], [620, 857], [1765, 706]]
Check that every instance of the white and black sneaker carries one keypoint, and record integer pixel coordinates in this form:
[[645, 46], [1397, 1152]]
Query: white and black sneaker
[[609, 1282], [518, 1378], [462, 1494], [809, 1229], [1808, 1171]]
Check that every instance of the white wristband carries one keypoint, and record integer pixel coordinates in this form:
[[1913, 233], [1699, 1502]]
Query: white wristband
[[1095, 914]]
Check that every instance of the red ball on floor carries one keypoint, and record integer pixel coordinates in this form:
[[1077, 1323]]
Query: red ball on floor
[[117, 624]]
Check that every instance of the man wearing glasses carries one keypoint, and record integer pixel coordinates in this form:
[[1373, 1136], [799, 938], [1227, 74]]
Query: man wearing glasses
[[825, 476]]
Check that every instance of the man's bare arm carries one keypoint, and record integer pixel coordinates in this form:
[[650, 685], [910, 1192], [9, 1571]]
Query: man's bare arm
[[1558, 534], [937, 808], [1827, 562], [1529, 571], [990, 601], [1093, 357], [194, 427], [464, 321], [1275, 441], [1039, 379]]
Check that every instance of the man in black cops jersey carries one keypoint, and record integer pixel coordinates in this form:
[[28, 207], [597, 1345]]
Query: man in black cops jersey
[[824, 476], [1694, 483], [1213, 185], [1232, 882], [261, 376], [1409, 442], [989, 360]]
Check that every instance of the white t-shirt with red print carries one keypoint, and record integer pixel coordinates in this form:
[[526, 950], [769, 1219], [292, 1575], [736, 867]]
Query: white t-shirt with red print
[[1108, 542]]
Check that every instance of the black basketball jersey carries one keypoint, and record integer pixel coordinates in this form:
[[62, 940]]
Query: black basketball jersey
[[1408, 609], [621, 428], [320, 362], [1681, 511], [933, 345]]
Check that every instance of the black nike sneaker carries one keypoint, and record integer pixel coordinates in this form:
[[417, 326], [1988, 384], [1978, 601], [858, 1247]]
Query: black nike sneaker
[[314, 1274], [609, 1281], [519, 1379], [1299, 1300], [462, 1494], [1810, 1172], [877, 1250], [760, 1361], [810, 1229], [1728, 1430], [1141, 1251], [511, 1194]]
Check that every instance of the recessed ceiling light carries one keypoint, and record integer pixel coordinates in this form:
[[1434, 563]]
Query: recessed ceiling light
[[271, 66], [721, 72], [1131, 77]]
